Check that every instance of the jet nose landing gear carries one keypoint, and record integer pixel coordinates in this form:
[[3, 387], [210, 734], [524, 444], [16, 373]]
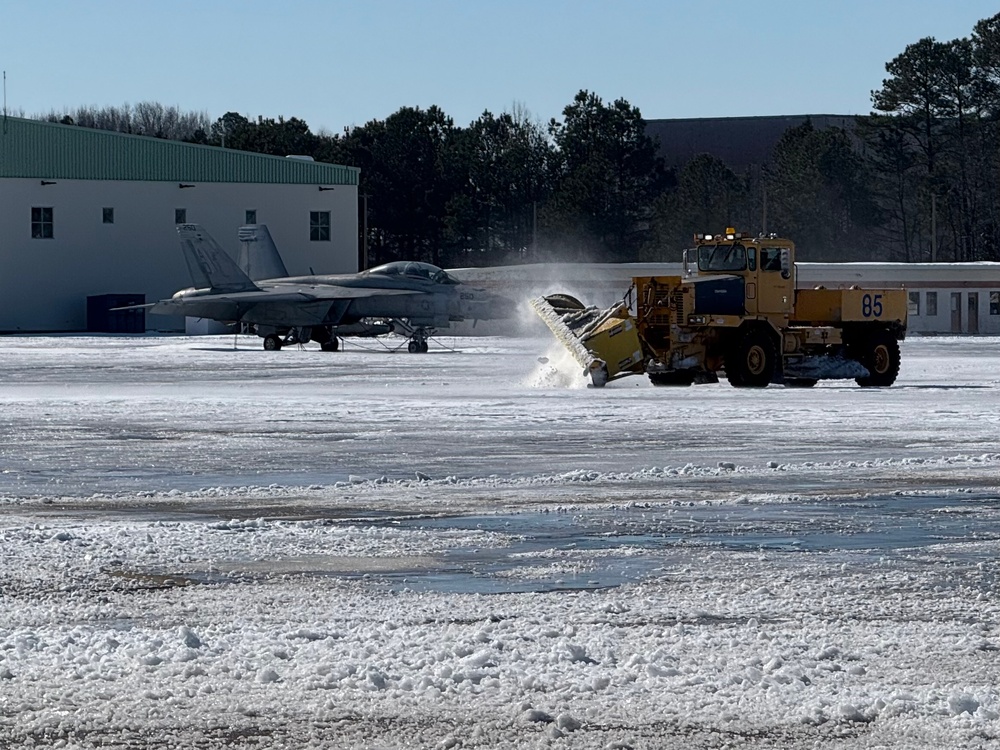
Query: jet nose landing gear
[[418, 334], [418, 344]]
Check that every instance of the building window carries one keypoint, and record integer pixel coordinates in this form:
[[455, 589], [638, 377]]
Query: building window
[[914, 303], [319, 226], [251, 217], [931, 303], [180, 216], [41, 223], [108, 215], [994, 303]]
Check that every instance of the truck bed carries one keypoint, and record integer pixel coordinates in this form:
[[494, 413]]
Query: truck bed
[[826, 306]]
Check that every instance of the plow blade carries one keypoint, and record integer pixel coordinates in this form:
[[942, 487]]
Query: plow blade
[[604, 342]]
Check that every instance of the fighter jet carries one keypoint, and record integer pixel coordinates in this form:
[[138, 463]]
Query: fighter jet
[[409, 298]]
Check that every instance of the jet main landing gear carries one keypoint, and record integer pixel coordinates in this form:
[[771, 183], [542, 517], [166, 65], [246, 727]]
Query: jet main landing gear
[[418, 335], [274, 341]]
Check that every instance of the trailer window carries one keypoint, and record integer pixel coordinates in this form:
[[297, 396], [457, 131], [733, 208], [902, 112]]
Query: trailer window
[[931, 303], [994, 303], [914, 304]]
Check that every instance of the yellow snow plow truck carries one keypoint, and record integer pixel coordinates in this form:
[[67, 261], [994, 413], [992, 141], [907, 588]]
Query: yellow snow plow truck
[[735, 312]]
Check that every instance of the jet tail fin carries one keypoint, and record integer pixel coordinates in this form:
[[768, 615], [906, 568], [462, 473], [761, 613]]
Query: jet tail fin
[[259, 258], [209, 264]]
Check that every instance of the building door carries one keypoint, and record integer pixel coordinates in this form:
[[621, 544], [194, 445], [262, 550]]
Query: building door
[[956, 312], [973, 312]]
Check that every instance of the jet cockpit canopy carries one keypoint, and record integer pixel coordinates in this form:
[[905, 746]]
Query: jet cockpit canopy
[[414, 270]]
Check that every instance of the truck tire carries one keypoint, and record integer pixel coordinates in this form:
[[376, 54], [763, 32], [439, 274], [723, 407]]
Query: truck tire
[[879, 353], [750, 362]]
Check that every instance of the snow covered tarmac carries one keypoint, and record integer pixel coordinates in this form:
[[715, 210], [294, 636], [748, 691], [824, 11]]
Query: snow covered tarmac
[[209, 547]]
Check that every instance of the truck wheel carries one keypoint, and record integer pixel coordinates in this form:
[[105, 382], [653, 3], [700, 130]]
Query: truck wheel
[[879, 353], [750, 364]]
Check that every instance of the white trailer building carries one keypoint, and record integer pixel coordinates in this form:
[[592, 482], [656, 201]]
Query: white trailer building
[[88, 212]]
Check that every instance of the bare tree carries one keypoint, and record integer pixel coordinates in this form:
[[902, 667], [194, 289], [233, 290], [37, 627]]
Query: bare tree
[[145, 118]]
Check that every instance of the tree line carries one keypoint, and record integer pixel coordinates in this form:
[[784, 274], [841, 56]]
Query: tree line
[[915, 180]]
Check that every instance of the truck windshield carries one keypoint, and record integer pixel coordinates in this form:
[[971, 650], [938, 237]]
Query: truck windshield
[[722, 257]]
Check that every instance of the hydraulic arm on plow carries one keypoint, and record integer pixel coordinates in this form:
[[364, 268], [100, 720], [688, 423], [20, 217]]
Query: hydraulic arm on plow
[[735, 312]]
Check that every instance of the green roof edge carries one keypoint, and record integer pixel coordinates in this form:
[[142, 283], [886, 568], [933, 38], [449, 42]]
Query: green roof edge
[[47, 150]]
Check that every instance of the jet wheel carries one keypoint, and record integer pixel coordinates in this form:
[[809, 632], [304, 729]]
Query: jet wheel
[[331, 346], [417, 347], [272, 342]]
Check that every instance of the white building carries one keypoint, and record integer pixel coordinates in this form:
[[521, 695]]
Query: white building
[[88, 212]]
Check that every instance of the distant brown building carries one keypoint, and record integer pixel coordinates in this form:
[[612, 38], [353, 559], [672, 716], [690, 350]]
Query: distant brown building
[[739, 141]]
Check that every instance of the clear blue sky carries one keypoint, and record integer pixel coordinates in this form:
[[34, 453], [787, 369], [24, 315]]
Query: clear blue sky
[[337, 63]]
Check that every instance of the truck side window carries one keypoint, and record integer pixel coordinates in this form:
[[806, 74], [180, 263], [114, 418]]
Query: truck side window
[[770, 259], [752, 258]]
